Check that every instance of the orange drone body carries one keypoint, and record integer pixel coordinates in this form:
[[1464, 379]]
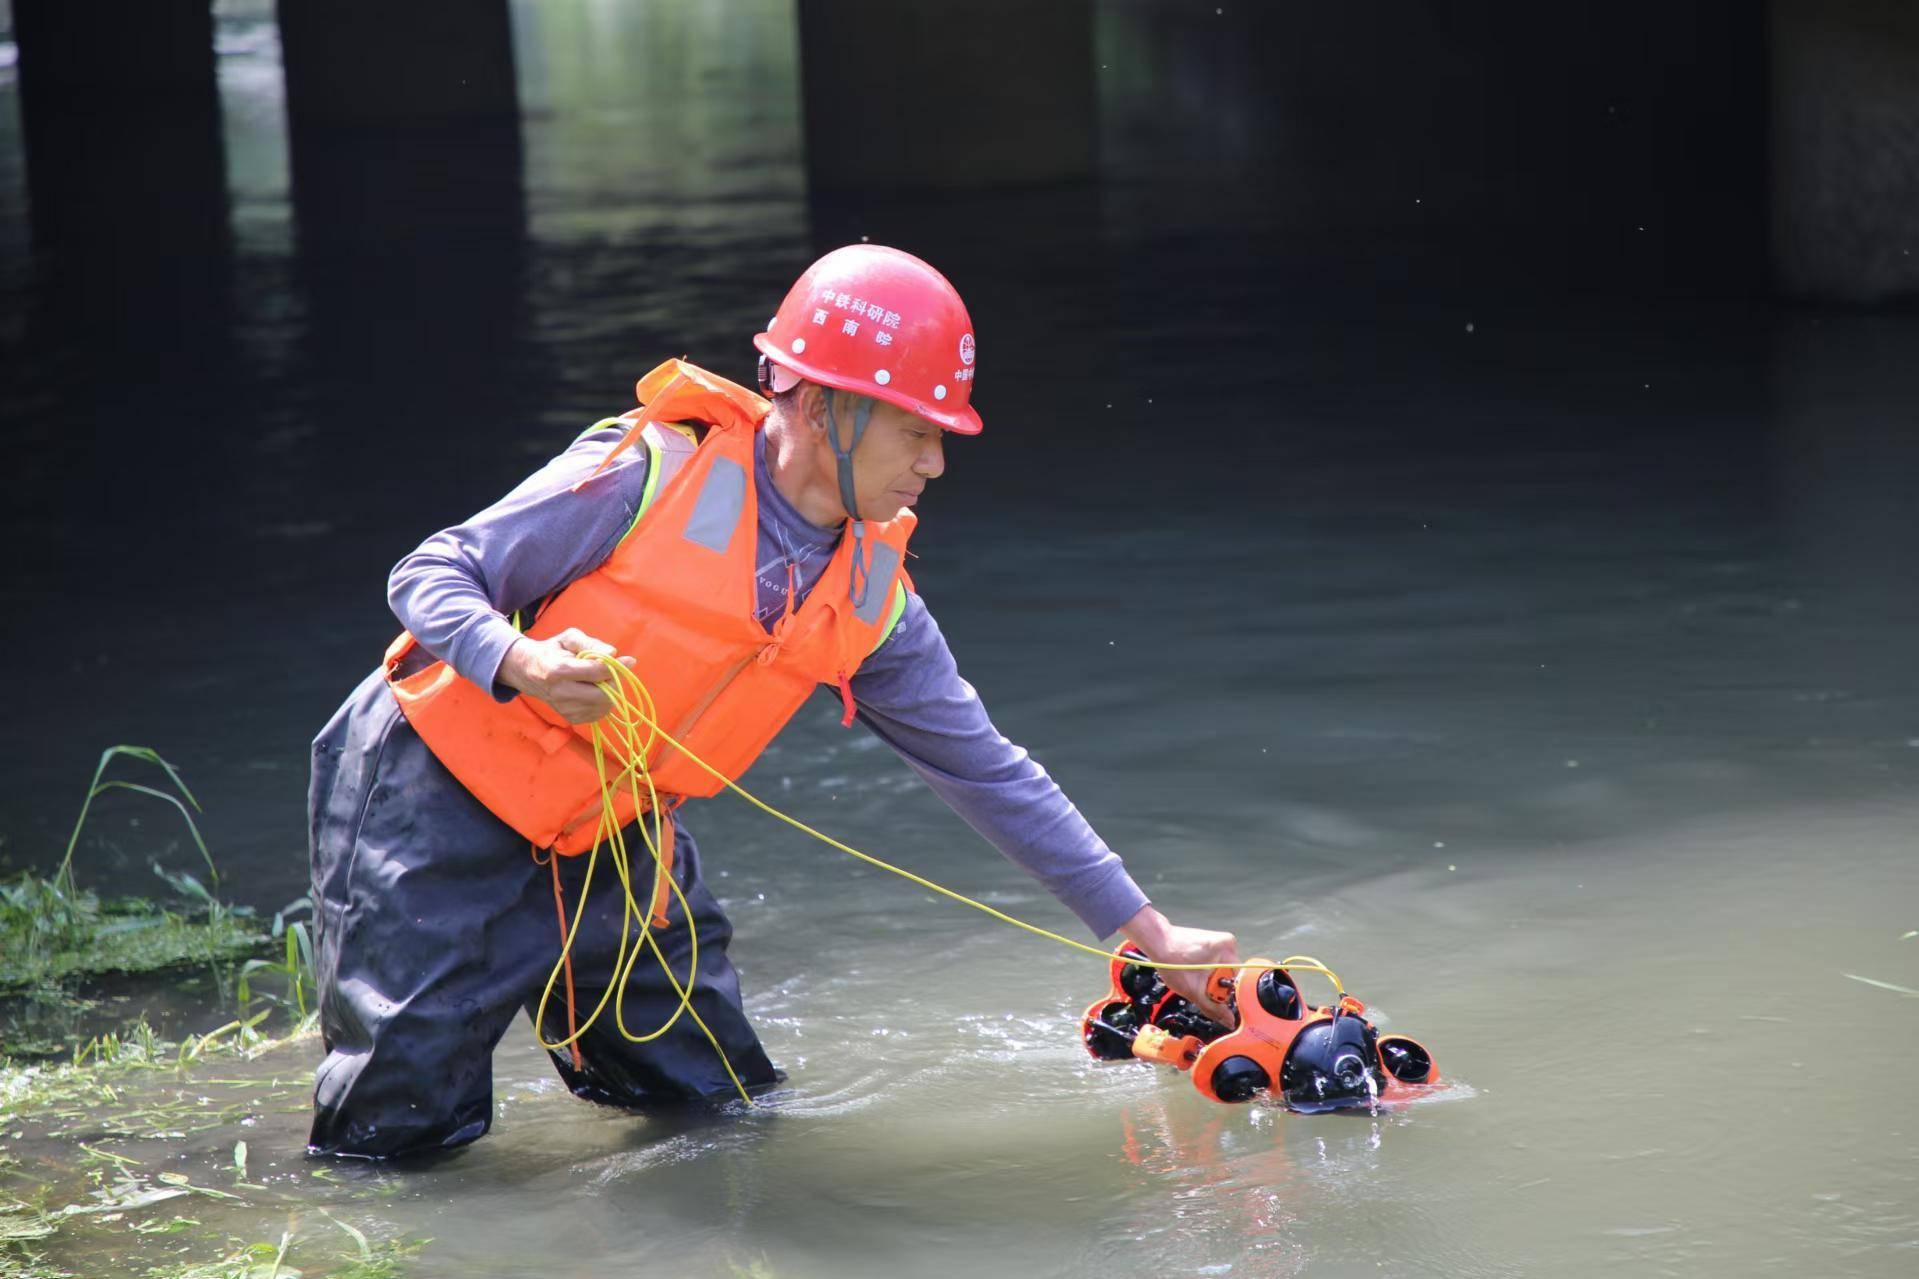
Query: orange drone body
[[1310, 1059]]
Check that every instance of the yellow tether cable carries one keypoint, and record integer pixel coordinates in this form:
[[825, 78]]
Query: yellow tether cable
[[634, 711], [611, 834]]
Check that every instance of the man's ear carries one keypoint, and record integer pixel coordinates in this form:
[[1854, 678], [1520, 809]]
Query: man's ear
[[813, 406]]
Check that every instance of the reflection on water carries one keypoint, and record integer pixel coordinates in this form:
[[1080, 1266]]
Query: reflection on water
[[1539, 661]]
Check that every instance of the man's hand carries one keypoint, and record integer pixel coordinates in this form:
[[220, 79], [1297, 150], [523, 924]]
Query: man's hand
[[553, 671], [1167, 943]]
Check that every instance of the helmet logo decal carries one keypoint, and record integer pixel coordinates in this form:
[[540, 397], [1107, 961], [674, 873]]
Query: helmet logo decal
[[966, 348], [858, 306], [882, 377]]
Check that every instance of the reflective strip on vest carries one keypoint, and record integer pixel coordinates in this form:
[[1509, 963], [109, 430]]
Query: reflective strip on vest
[[668, 448], [717, 512], [893, 618], [885, 562]]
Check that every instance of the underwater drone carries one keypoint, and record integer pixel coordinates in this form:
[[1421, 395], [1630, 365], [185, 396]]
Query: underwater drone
[[1309, 1059]]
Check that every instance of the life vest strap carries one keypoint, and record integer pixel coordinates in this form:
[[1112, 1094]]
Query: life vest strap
[[663, 892], [566, 955]]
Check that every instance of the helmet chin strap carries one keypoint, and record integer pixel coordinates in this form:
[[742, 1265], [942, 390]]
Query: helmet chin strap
[[862, 560]]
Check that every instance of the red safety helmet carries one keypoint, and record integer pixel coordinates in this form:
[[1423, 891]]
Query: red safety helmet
[[879, 322]]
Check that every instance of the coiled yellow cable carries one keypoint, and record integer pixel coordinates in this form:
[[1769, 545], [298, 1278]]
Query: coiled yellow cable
[[635, 730]]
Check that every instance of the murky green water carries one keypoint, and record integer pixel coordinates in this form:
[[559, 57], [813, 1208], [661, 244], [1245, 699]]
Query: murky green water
[[1551, 680]]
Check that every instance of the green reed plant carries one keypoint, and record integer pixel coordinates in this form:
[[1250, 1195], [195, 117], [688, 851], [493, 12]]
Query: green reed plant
[[294, 966], [64, 876], [54, 933]]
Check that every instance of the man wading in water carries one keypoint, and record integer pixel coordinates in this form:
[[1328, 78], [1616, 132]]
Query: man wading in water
[[736, 556]]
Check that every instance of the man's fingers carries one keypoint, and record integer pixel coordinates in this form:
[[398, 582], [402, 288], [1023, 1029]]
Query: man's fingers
[[1212, 1007], [578, 669], [582, 703], [575, 640], [1193, 986]]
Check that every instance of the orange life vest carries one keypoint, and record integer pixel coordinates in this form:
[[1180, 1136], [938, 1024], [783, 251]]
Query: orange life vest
[[677, 595]]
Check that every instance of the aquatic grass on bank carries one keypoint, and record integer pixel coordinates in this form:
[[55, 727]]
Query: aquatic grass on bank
[[53, 935], [52, 931], [56, 935], [95, 1195]]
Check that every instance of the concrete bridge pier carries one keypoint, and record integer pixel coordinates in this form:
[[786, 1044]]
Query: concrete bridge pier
[[1845, 148], [376, 64], [409, 212], [947, 93], [403, 128], [126, 170]]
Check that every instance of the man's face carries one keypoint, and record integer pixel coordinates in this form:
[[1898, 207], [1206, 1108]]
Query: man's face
[[897, 456]]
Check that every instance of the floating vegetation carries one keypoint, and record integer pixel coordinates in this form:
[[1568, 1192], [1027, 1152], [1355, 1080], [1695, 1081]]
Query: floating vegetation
[[52, 935], [1892, 986], [271, 1261], [106, 1166], [87, 1092], [126, 1105], [317, 1257]]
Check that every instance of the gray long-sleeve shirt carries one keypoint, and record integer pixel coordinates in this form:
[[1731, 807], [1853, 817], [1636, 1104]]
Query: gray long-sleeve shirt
[[454, 592]]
